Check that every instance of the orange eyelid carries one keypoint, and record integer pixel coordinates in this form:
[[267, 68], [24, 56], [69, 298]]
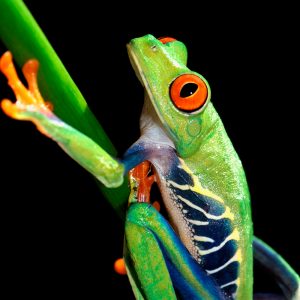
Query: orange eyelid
[[166, 39], [192, 102]]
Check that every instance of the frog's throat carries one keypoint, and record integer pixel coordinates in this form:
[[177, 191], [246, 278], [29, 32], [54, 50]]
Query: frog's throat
[[151, 126]]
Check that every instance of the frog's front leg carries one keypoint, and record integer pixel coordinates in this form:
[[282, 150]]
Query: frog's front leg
[[158, 264], [31, 106]]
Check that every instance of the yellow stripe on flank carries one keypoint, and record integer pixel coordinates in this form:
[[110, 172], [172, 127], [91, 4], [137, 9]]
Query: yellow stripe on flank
[[233, 236], [198, 188], [237, 282], [236, 257], [228, 214]]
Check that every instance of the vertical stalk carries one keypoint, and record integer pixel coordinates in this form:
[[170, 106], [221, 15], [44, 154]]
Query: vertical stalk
[[24, 38]]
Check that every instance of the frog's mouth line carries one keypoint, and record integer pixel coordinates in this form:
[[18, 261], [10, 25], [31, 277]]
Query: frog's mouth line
[[135, 65], [140, 74]]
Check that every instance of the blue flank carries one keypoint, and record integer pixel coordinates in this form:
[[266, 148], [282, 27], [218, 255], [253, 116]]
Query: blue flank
[[216, 230]]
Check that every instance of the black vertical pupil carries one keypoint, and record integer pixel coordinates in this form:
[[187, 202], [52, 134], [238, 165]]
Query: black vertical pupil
[[188, 89]]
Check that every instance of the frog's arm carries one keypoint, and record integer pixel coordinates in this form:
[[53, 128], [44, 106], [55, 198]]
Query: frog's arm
[[31, 106]]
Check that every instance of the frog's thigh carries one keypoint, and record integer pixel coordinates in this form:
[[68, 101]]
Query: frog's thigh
[[146, 267], [157, 261]]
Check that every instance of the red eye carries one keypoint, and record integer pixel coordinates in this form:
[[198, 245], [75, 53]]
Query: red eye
[[188, 92], [166, 39]]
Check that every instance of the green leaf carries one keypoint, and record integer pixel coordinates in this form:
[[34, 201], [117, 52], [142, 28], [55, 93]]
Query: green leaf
[[24, 38]]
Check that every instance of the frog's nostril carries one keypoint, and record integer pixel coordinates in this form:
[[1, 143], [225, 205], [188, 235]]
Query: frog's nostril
[[153, 48]]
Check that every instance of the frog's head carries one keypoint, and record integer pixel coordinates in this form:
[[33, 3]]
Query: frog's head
[[179, 96]]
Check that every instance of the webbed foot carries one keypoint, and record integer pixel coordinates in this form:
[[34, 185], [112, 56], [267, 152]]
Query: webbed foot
[[30, 104]]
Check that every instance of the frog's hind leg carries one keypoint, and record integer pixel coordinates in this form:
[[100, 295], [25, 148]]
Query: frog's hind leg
[[160, 267], [286, 277]]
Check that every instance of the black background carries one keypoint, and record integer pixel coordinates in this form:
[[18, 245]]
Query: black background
[[59, 235]]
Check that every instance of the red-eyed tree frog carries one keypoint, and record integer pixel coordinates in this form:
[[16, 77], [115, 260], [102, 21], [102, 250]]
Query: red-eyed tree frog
[[200, 244]]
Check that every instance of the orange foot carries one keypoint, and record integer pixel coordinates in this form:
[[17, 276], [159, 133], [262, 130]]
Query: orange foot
[[144, 182], [119, 266], [28, 100]]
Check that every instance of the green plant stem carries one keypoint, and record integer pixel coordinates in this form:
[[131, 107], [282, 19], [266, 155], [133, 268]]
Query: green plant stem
[[24, 38]]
